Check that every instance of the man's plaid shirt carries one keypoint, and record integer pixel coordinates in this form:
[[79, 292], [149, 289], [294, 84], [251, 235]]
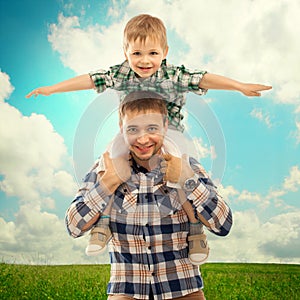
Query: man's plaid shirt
[[149, 230], [172, 82]]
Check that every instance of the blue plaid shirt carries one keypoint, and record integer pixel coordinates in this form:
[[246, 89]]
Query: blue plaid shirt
[[172, 82], [149, 228]]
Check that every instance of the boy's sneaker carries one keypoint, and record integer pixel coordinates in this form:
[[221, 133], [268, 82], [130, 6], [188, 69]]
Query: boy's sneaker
[[198, 249], [100, 235]]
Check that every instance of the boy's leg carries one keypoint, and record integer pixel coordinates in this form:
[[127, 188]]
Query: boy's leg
[[100, 234], [198, 247]]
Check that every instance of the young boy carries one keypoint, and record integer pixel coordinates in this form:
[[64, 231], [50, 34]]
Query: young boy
[[145, 68]]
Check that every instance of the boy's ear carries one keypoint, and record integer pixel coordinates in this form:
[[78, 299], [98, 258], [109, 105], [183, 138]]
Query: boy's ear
[[166, 52], [125, 54]]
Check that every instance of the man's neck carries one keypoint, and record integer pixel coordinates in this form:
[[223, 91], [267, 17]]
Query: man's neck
[[149, 164]]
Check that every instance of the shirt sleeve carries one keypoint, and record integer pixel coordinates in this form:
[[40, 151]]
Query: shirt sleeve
[[89, 201], [102, 80], [209, 203], [189, 80]]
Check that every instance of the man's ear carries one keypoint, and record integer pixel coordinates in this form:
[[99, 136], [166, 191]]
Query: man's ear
[[166, 124]]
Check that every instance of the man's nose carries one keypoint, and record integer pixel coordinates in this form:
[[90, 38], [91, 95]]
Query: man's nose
[[143, 138]]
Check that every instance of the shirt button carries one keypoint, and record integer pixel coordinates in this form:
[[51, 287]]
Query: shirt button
[[153, 274]]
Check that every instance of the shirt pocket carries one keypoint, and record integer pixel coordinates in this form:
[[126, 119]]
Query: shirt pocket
[[167, 201], [125, 200]]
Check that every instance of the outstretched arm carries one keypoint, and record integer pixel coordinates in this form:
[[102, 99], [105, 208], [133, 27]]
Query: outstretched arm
[[81, 82], [217, 82]]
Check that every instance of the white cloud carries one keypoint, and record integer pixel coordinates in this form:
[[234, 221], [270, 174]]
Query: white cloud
[[202, 149], [262, 116], [6, 87], [116, 8], [292, 183], [32, 158], [228, 192], [251, 240], [250, 45], [248, 196], [31, 153], [40, 238], [283, 238], [84, 50]]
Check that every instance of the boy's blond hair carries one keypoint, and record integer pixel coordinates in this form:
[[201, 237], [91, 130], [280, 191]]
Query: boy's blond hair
[[143, 26]]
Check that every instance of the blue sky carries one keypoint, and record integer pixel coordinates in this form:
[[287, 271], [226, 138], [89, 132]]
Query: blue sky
[[250, 146]]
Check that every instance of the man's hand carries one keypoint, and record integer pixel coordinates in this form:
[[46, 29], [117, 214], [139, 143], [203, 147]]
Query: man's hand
[[116, 172], [176, 169], [252, 89]]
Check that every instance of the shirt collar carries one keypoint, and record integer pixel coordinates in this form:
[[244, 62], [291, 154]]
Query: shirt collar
[[155, 173]]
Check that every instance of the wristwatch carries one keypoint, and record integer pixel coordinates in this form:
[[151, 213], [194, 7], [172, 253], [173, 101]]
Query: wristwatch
[[191, 183]]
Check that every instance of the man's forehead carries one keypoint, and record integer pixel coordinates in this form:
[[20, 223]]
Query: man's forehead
[[142, 117]]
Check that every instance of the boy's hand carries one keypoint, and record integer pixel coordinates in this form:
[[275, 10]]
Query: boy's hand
[[45, 91], [252, 89], [116, 172], [176, 169]]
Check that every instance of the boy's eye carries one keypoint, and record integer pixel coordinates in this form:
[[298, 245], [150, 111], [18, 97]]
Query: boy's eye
[[136, 53], [154, 53]]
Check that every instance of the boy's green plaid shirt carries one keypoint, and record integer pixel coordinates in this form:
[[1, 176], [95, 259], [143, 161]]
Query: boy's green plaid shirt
[[172, 82]]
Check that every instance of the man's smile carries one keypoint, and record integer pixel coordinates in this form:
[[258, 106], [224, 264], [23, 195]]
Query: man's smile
[[143, 149]]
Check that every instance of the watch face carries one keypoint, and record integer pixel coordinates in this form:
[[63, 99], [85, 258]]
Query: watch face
[[190, 184]]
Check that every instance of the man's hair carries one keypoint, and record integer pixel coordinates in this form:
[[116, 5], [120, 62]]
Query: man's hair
[[144, 26], [143, 101]]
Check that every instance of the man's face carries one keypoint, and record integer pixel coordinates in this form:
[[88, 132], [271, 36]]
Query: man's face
[[145, 57], [144, 133]]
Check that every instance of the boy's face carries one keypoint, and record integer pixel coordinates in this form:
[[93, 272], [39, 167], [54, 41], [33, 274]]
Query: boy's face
[[145, 57], [144, 133]]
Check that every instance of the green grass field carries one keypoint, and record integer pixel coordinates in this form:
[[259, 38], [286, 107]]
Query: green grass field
[[222, 281]]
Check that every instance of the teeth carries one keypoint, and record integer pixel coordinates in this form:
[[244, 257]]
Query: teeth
[[144, 148]]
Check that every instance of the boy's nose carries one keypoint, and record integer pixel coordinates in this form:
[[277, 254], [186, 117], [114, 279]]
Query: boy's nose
[[144, 59]]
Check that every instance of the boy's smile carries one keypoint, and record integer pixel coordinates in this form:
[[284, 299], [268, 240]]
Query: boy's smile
[[145, 57]]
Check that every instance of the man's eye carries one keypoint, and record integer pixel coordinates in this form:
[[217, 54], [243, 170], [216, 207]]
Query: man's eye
[[131, 130], [152, 129]]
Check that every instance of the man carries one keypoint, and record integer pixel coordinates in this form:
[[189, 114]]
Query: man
[[148, 251]]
